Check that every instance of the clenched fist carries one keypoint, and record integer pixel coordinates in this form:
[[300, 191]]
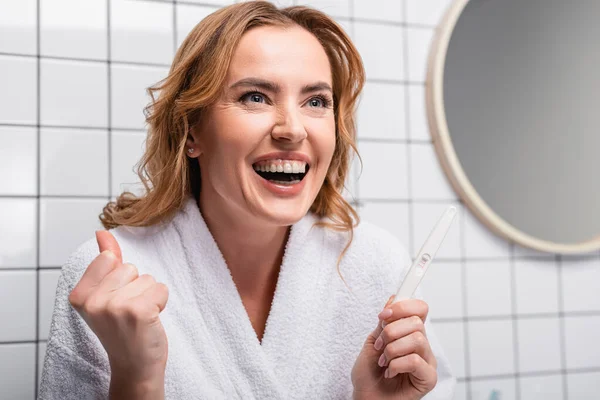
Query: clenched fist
[[122, 309]]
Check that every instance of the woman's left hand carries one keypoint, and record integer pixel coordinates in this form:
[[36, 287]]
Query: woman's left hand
[[396, 361]]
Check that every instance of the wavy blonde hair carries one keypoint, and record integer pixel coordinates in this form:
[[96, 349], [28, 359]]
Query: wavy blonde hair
[[194, 83]]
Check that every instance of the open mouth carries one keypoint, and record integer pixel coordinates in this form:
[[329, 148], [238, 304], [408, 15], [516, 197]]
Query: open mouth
[[282, 172]]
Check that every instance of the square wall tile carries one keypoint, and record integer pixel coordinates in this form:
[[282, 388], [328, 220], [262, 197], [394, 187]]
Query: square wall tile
[[18, 237], [48, 282], [451, 336], [581, 284], [381, 48], [583, 386], [128, 93], [18, 80], [548, 387], [536, 286], [491, 350], [493, 389], [581, 341], [384, 174], [74, 28], [64, 225], [17, 366], [392, 217], [442, 286], [18, 161], [521, 251], [419, 43], [18, 298], [224, 2], [539, 344], [381, 113], [141, 31], [18, 21], [488, 288], [127, 149], [425, 216], [74, 162], [460, 391], [383, 10], [480, 242], [74, 93], [347, 25], [429, 182], [188, 16], [428, 12], [335, 8], [419, 126]]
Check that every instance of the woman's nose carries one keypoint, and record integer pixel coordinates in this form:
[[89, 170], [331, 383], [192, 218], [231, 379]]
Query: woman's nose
[[289, 127]]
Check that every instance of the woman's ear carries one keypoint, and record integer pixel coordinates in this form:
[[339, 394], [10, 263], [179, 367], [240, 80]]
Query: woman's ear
[[192, 144]]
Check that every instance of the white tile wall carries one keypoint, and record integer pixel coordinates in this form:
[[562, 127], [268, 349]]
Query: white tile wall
[[491, 347], [548, 387], [64, 225], [80, 33], [493, 389], [128, 93], [17, 363], [382, 49], [74, 93], [18, 161], [386, 10], [67, 155], [536, 286], [91, 116], [17, 296], [381, 113], [581, 341], [188, 16], [488, 288], [141, 31], [581, 284], [539, 344], [18, 26], [18, 245], [18, 80], [442, 287]]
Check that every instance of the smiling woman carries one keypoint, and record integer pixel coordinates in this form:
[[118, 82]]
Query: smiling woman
[[244, 223]]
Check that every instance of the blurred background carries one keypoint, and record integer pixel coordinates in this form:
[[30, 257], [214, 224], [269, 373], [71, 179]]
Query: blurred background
[[515, 324]]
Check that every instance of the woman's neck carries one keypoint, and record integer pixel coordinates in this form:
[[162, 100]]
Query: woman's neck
[[253, 251]]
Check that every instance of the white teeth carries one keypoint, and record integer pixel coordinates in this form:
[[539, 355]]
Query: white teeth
[[286, 166]]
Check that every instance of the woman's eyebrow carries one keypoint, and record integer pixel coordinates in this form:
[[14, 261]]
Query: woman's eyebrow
[[275, 88]]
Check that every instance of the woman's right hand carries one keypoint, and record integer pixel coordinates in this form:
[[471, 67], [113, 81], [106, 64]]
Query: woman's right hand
[[122, 309]]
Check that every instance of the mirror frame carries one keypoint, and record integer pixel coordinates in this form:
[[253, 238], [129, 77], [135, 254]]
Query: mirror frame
[[438, 126]]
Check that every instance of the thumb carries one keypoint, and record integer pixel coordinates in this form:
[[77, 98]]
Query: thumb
[[106, 241]]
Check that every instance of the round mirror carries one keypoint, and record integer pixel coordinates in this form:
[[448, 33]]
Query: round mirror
[[513, 98]]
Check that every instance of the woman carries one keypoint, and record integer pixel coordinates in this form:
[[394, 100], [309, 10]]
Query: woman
[[273, 289]]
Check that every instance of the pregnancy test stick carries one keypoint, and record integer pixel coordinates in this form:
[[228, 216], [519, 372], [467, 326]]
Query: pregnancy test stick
[[425, 256]]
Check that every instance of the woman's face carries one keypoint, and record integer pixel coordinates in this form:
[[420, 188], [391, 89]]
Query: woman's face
[[265, 146]]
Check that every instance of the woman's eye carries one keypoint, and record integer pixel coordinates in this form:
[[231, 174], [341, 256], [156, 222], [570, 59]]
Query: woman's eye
[[316, 102], [253, 98], [320, 101]]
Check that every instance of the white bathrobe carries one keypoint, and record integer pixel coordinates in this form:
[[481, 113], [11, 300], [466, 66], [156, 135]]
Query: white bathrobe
[[314, 332]]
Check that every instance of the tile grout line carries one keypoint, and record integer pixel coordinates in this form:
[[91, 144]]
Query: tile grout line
[[407, 127], [514, 320], [38, 203], [463, 252], [561, 327], [109, 95]]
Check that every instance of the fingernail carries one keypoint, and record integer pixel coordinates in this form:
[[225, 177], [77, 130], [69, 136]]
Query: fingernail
[[387, 373], [385, 313], [381, 361], [109, 254], [378, 343]]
